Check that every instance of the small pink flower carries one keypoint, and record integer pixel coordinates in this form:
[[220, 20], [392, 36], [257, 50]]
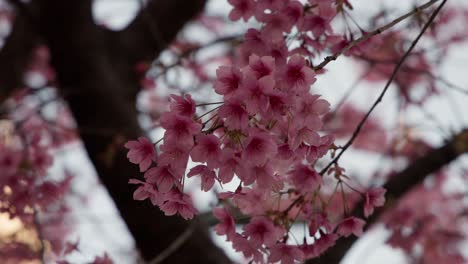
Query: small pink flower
[[276, 23], [303, 135], [174, 155], [261, 230], [206, 150], [228, 80], [326, 241], [270, 4], [298, 76], [317, 222], [277, 105], [241, 9], [180, 203], [226, 225], [351, 225], [102, 260], [374, 198], [285, 254], [207, 176], [179, 129], [260, 67], [163, 176], [9, 161], [255, 92], [293, 11], [305, 178], [325, 7], [241, 244], [309, 108], [182, 105], [317, 24], [264, 176], [145, 191], [234, 114], [254, 42], [141, 152], [228, 165], [41, 160], [259, 147]]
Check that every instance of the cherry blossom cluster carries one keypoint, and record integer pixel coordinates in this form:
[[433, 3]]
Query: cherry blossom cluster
[[26, 193], [27, 144], [266, 134]]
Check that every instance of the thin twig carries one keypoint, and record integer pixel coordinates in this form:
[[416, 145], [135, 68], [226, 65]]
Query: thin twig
[[369, 35], [387, 85], [174, 246], [40, 236], [190, 51]]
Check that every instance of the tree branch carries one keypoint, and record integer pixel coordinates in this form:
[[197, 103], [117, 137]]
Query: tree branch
[[372, 34], [101, 95], [154, 28], [16, 54], [397, 186], [384, 90]]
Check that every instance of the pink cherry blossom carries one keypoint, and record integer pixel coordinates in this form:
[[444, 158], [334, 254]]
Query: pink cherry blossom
[[318, 25], [9, 161], [297, 75], [261, 230], [228, 80], [251, 201], [325, 7], [145, 191], [207, 176], [350, 225], [174, 155], [42, 160], [326, 241], [260, 66], [226, 225], [293, 11], [102, 260], [319, 221], [234, 114], [270, 4], [285, 254], [163, 176], [241, 9], [179, 129], [184, 106], [303, 135], [264, 176], [241, 244], [254, 42], [206, 150], [141, 152], [276, 23], [259, 147], [375, 197], [305, 179], [178, 203], [228, 165], [255, 93]]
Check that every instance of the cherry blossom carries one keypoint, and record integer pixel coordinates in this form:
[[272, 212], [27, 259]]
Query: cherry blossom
[[351, 225], [141, 152], [373, 198]]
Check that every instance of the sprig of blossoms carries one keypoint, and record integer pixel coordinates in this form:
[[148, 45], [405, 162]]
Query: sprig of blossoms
[[267, 133]]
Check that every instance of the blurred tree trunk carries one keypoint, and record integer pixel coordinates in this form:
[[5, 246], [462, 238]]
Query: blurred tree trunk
[[95, 73]]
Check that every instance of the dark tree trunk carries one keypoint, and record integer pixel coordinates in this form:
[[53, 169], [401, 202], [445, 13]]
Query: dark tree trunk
[[95, 73]]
